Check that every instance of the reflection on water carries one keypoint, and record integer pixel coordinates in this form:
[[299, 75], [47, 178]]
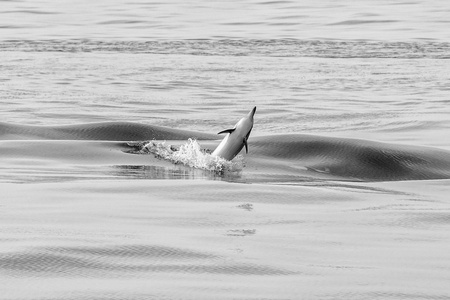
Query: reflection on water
[[176, 172], [117, 172]]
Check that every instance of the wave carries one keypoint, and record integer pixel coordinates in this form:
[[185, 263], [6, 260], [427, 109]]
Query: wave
[[273, 158], [354, 159], [243, 47], [106, 131], [120, 260]]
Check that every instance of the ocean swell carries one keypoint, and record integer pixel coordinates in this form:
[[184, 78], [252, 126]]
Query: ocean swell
[[271, 158], [354, 159]]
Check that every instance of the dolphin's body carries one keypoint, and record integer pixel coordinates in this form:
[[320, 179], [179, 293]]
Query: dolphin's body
[[236, 138]]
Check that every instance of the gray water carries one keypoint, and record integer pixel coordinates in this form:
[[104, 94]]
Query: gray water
[[374, 70], [178, 20], [316, 66]]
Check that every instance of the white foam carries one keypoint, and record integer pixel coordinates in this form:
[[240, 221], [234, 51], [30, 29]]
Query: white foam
[[191, 154]]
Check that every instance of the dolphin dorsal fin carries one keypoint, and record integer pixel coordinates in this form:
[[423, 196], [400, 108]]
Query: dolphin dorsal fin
[[246, 145], [227, 130]]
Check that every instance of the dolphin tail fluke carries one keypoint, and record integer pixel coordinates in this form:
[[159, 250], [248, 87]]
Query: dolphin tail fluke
[[246, 145], [227, 130]]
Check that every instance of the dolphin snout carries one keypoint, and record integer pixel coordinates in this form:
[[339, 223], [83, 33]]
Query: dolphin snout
[[252, 112]]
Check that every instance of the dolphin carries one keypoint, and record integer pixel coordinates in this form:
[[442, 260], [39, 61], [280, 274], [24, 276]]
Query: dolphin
[[236, 138]]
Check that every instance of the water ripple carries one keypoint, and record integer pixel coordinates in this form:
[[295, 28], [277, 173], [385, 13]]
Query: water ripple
[[227, 47], [359, 22], [123, 261], [30, 11]]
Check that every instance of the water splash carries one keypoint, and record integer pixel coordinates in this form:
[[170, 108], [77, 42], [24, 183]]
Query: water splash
[[189, 154]]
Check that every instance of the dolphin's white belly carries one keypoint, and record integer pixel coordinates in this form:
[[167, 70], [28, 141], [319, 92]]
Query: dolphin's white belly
[[228, 148]]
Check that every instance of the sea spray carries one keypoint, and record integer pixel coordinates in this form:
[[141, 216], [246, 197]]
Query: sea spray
[[189, 154]]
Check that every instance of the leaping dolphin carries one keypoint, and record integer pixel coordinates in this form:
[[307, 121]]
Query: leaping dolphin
[[236, 138]]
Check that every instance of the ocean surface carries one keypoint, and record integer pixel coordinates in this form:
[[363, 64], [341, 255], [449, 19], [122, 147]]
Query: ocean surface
[[343, 194]]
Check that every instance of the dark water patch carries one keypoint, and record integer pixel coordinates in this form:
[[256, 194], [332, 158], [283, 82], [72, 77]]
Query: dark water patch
[[45, 263], [123, 261], [432, 218], [242, 23], [236, 47], [351, 159], [357, 188], [10, 27], [282, 2], [132, 251], [241, 232], [423, 214], [114, 22], [289, 17], [360, 22], [406, 295], [30, 11]]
